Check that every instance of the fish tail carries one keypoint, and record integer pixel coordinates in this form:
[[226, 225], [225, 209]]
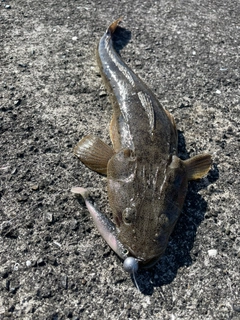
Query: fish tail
[[113, 26]]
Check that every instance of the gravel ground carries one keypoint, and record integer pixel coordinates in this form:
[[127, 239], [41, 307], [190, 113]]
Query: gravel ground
[[53, 263]]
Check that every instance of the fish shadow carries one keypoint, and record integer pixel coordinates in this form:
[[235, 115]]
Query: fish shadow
[[179, 252], [121, 38]]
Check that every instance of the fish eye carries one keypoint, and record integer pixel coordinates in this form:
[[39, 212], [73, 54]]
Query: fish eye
[[128, 153], [128, 215]]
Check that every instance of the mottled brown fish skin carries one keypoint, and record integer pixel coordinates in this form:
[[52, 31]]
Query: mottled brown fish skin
[[147, 182], [145, 193]]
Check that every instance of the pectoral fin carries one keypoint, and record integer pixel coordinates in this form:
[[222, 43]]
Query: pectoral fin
[[94, 153], [198, 166]]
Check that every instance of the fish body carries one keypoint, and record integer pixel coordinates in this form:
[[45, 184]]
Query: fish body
[[147, 182]]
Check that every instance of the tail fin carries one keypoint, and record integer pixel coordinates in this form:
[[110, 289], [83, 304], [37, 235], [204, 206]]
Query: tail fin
[[113, 26]]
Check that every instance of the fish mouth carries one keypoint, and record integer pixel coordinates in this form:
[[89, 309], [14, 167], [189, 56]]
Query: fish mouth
[[146, 263]]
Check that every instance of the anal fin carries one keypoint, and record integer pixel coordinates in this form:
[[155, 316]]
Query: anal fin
[[94, 153], [198, 166]]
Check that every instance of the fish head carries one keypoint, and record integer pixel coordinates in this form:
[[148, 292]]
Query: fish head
[[146, 202]]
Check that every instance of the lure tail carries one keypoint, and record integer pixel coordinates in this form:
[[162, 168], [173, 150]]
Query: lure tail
[[105, 226]]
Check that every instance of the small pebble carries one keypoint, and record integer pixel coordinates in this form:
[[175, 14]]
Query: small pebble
[[16, 266], [48, 217], [35, 187], [218, 92], [102, 93], [64, 281], [22, 65], [17, 102], [138, 63], [28, 263], [7, 6], [212, 252], [74, 38], [40, 262], [57, 244]]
